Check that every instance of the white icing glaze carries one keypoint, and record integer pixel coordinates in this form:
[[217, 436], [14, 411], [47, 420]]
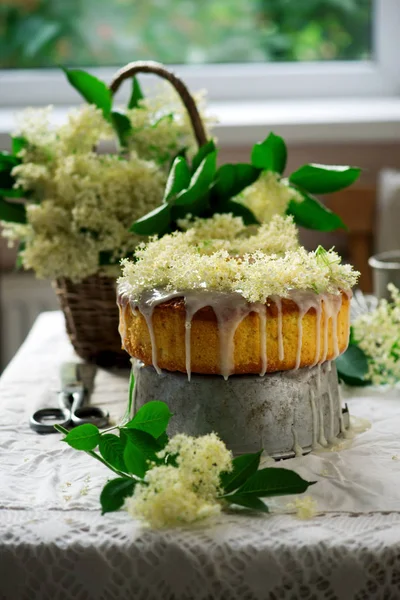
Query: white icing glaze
[[314, 415], [230, 309], [297, 449], [318, 309], [332, 437], [278, 302], [261, 309]]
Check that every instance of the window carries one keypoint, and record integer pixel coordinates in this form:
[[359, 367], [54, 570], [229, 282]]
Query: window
[[251, 49]]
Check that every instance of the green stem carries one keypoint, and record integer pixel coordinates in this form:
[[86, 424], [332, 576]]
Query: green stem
[[100, 459]]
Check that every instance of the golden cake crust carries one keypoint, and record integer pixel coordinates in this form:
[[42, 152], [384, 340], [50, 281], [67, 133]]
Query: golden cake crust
[[168, 321]]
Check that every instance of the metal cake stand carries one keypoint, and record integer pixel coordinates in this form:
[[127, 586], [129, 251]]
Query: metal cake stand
[[286, 413]]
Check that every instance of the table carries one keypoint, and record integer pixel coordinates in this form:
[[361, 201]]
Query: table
[[54, 544]]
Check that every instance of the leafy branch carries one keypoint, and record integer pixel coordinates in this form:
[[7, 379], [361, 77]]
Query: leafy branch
[[201, 189], [136, 449]]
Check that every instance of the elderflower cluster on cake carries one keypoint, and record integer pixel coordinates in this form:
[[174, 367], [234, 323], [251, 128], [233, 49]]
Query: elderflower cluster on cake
[[82, 192], [216, 255]]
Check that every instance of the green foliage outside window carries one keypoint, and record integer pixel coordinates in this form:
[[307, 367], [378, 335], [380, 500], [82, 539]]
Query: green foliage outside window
[[47, 33]]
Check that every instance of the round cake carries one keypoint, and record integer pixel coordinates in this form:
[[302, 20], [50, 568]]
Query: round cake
[[228, 337], [234, 305]]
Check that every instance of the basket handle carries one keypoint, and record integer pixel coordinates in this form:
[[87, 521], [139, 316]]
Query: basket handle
[[158, 69]]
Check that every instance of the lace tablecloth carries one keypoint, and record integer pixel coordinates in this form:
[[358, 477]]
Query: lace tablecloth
[[55, 545]]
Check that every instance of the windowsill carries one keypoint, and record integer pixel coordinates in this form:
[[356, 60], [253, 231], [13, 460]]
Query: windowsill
[[298, 121]]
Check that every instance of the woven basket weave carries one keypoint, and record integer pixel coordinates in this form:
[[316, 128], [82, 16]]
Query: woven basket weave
[[90, 309], [91, 319]]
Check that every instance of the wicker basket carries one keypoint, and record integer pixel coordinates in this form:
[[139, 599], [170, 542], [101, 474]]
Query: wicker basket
[[91, 319], [90, 309]]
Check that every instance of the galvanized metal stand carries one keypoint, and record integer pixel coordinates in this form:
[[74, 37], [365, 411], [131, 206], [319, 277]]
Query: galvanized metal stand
[[285, 413]]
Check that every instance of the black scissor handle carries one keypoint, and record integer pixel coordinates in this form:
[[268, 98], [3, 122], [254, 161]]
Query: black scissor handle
[[90, 414], [44, 419]]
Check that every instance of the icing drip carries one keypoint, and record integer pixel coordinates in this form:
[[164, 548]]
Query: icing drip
[[349, 295], [314, 419], [332, 306], [318, 332], [297, 449], [332, 436], [278, 302], [299, 339], [228, 321], [262, 315]]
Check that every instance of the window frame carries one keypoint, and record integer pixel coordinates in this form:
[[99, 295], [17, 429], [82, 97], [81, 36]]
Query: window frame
[[235, 82]]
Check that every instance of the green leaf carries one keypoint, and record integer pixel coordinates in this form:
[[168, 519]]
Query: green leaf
[[238, 210], [249, 501], [134, 460], [18, 144], [273, 482], [231, 179], [243, 467], [142, 440], [155, 222], [136, 94], [19, 262], [352, 366], [270, 155], [122, 126], [12, 211], [112, 450], [200, 181], [323, 179], [310, 213], [8, 161], [93, 90], [83, 437], [163, 440], [13, 193], [114, 493], [153, 418], [202, 152], [178, 179]]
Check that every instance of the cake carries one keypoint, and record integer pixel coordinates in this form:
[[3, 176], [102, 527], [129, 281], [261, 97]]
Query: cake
[[218, 299]]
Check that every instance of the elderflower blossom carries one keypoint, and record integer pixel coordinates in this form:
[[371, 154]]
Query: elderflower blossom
[[378, 334], [90, 203], [81, 202], [305, 507], [162, 125], [185, 493], [268, 196], [266, 263]]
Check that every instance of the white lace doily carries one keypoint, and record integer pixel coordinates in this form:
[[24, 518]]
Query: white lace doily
[[56, 545]]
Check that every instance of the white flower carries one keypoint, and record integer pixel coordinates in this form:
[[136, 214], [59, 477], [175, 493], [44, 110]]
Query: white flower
[[186, 493], [378, 334], [269, 196], [82, 203], [265, 263]]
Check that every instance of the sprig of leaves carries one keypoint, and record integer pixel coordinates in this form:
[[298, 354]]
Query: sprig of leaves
[[246, 484], [135, 450], [129, 455], [201, 189]]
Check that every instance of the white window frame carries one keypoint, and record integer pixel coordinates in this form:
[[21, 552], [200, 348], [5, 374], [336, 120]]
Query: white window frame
[[379, 77]]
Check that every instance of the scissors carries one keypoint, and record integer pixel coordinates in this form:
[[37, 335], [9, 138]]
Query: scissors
[[73, 408]]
